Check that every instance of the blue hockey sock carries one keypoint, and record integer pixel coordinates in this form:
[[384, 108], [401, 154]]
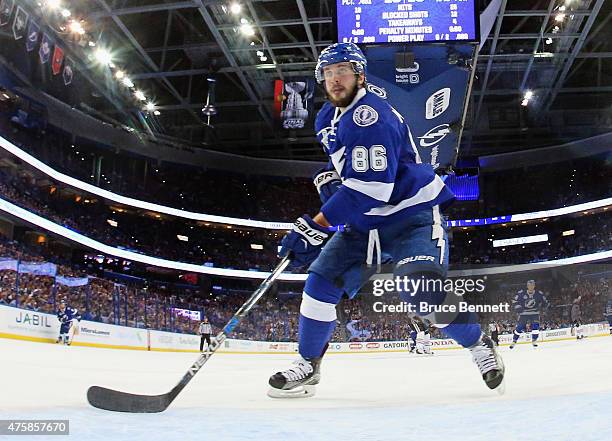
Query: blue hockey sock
[[313, 336], [317, 315], [465, 329], [535, 331]]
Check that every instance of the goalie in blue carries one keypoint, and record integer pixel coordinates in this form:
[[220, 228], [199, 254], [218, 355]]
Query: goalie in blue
[[377, 186], [528, 304]]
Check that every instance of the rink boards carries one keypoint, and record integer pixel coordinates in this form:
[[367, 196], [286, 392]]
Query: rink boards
[[21, 324]]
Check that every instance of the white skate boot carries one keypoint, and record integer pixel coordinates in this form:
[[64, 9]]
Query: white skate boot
[[298, 381]]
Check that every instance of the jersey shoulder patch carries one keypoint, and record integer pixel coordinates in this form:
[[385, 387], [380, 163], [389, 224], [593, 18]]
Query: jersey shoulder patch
[[365, 115]]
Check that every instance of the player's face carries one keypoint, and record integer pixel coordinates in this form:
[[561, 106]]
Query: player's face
[[341, 83], [530, 286]]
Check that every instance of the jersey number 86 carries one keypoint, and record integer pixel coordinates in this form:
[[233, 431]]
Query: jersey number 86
[[364, 159]]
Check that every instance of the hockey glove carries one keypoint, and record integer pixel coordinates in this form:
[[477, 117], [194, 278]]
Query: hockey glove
[[304, 242], [327, 183]]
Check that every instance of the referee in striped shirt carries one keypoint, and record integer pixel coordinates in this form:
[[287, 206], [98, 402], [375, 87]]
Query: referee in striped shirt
[[205, 331]]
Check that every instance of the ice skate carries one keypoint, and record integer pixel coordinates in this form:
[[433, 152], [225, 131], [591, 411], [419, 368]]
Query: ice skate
[[489, 363], [298, 381]]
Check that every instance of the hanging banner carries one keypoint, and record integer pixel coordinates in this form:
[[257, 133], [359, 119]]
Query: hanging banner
[[295, 99], [44, 53], [68, 72], [72, 281], [33, 33], [428, 86], [6, 9], [8, 265], [38, 269], [58, 58], [19, 23]]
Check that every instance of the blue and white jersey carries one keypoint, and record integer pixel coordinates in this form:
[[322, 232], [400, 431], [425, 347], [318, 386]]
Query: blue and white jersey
[[68, 315], [373, 151], [609, 309], [526, 303]]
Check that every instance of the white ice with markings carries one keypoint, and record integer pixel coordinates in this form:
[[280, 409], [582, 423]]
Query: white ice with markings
[[559, 391]]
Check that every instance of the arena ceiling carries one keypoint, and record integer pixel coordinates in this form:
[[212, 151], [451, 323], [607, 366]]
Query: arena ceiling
[[176, 44]]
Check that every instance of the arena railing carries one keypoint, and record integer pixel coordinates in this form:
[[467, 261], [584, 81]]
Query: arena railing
[[52, 227], [136, 203]]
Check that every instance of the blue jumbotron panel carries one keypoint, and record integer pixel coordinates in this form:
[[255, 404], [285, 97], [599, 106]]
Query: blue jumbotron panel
[[465, 187]]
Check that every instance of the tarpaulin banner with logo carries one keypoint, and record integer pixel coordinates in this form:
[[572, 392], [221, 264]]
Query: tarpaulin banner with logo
[[33, 33], [72, 281], [38, 269], [293, 102], [68, 72], [44, 53], [20, 22], [58, 58], [427, 85], [6, 9]]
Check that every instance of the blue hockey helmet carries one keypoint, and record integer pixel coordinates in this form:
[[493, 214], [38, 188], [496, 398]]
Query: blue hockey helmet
[[340, 53]]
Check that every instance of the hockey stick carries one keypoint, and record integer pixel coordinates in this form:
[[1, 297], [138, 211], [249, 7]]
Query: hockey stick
[[117, 401]]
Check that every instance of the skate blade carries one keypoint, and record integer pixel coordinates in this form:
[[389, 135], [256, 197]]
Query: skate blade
[[298, 392], [501, 389]]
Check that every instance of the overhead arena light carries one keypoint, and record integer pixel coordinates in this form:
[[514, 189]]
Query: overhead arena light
[[53, 4], [127, 82], [182, 238], [140, 95], [247, 29], [76, 27], [103, 56], [235, 8]]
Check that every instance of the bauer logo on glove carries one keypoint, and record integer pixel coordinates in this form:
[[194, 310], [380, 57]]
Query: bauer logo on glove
[[327, 183], [304, 242], [312, 235]]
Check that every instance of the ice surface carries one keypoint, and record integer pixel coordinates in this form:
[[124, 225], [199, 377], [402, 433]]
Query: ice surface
[[559, 391]]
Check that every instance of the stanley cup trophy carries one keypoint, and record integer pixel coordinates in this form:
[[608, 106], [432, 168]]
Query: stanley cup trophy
[[294, 115]]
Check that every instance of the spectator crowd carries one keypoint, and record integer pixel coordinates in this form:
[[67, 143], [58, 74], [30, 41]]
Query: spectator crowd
[[274, 318]]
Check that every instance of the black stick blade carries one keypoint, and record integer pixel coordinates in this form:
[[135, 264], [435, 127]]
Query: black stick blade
[[116, 401]]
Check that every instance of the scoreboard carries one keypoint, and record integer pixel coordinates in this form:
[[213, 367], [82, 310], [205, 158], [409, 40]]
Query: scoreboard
[[406, 21]]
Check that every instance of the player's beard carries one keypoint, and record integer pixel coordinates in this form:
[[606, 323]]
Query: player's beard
[[348, 99]]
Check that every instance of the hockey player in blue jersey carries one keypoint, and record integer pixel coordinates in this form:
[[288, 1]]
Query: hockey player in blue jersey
[[528, 303], [376, 184], [67, 317]]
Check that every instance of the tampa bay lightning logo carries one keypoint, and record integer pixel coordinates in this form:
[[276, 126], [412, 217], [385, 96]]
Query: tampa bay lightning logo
[[376, 90], [530, 303], [365, 115], [327, 137]]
